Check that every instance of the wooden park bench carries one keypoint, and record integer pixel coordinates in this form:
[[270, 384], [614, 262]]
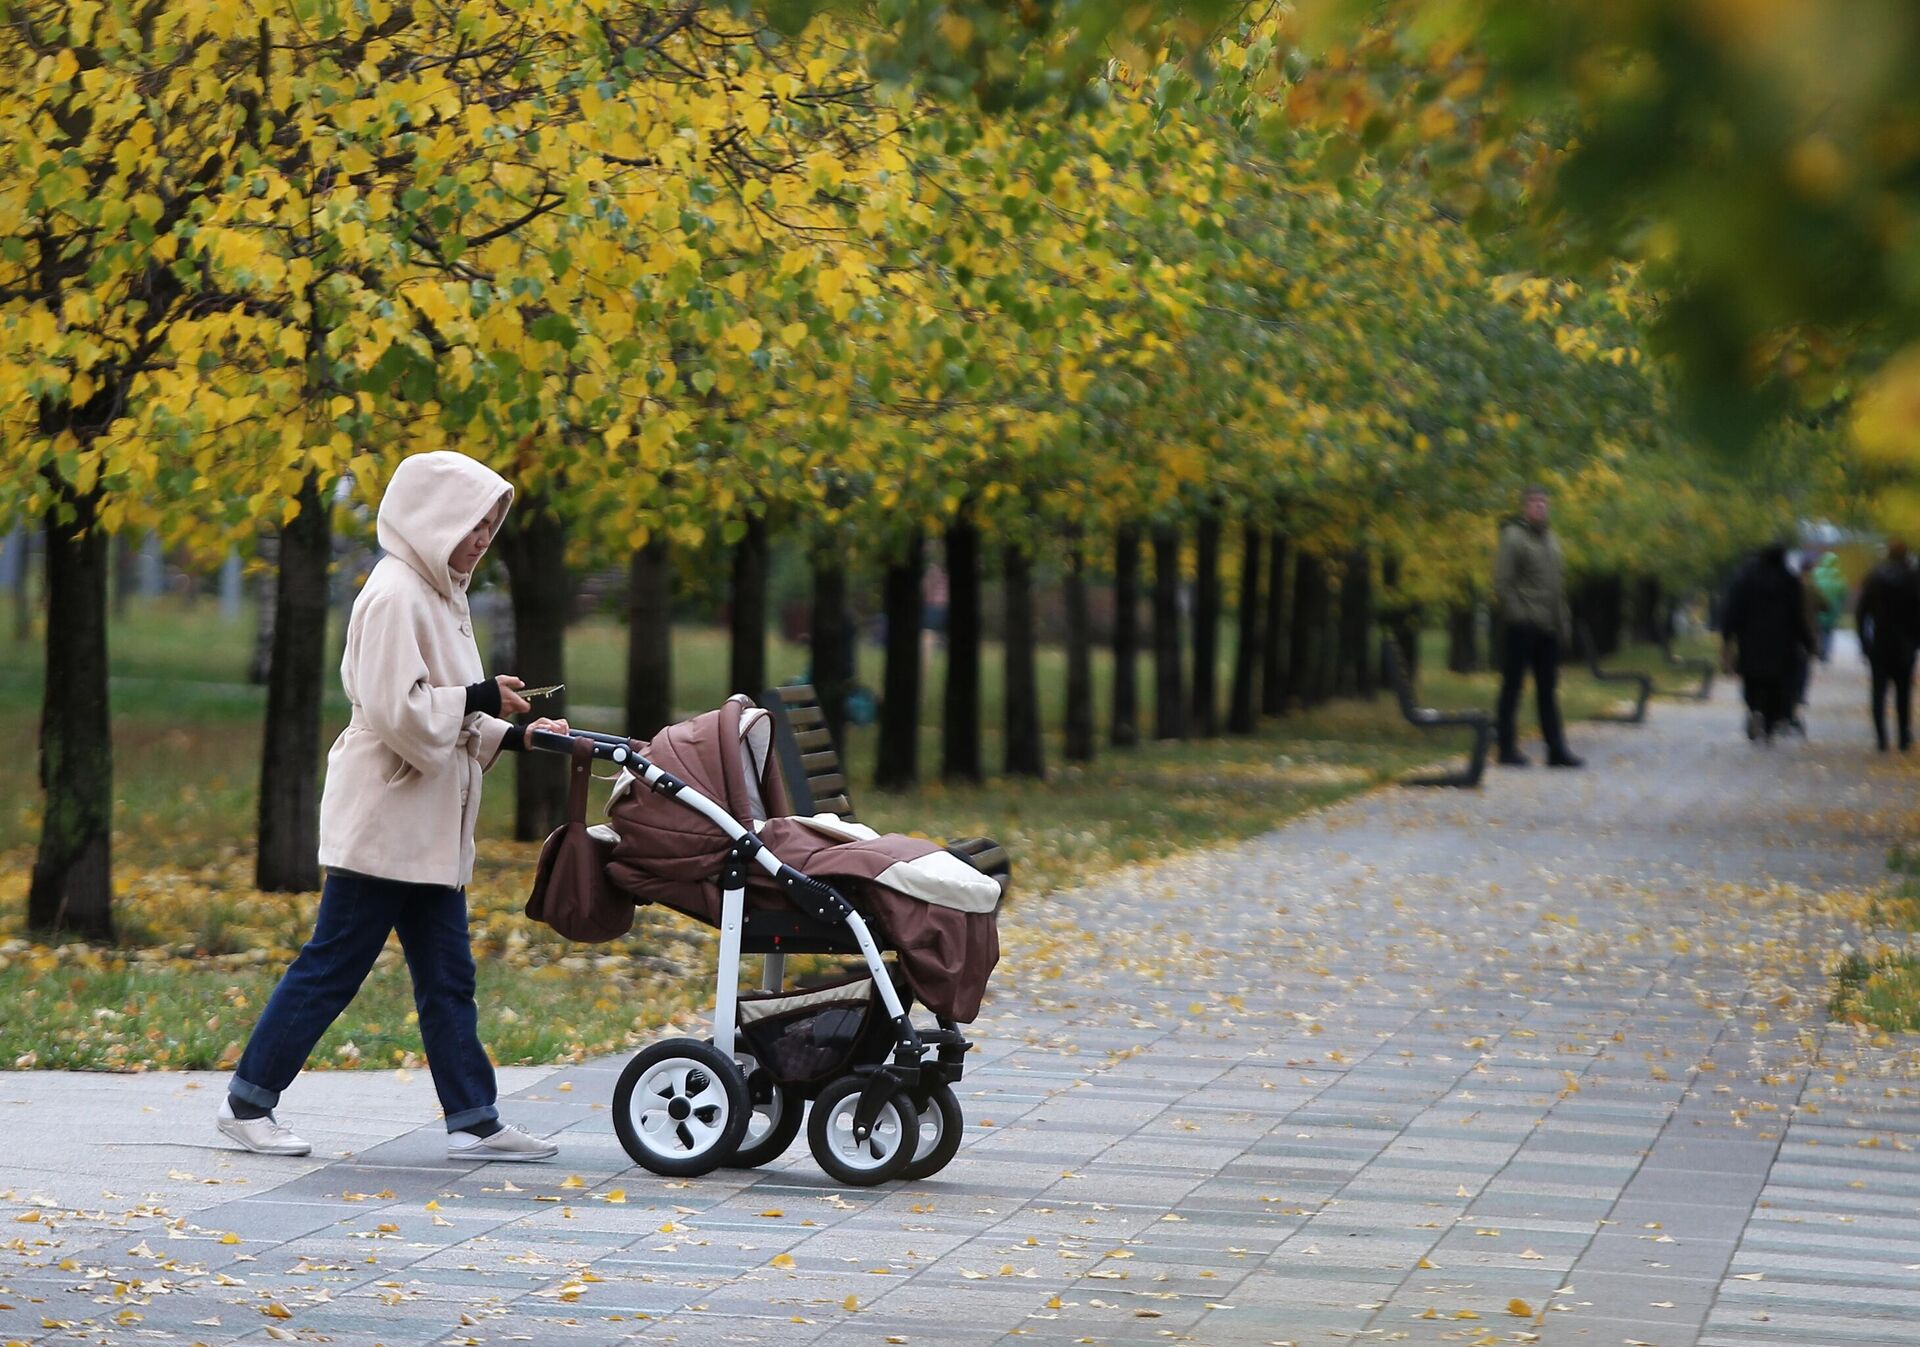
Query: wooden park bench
[[817, 779], [1642, 684], [1703, 669], [1429, 719]]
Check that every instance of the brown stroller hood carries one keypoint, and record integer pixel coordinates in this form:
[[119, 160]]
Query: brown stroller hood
[[926, 903]]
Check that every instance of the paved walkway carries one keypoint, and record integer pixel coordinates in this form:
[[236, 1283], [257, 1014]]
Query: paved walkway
[[1547, 1063]]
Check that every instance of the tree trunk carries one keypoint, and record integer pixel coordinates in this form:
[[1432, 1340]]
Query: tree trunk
[[827, 641], [1169, 706], [1306, 664], [960, 755], [1025, 754], [266, 608], [649, 639], [897, 756], [1328, 633], [533, 544], [1356, 620], [747, 623], [1206, 627], [1401, 620], [1078, 714], [1648, 609], [1609, 593], [72, 887], [287, 858], [1126, 636], [1274, 671], [1595, 604], [1243, 714], [1463, 638]]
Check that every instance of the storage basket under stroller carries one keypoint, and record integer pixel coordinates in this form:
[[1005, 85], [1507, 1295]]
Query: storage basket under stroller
[[803, 1037], [874, 1090]]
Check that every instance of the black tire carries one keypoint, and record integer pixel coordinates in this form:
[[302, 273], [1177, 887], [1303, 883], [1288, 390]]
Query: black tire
[[940, 1126], [681, 1108], [858, 1164], [782, 1112]]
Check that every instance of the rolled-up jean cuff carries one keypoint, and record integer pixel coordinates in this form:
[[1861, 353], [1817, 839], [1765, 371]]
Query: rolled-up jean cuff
[[249, 1093], [467, 1117]]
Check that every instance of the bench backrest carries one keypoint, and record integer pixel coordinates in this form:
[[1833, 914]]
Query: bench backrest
[[809, 759]]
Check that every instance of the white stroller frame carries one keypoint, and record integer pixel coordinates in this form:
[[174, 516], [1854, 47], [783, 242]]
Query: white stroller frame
[[883, 1087]]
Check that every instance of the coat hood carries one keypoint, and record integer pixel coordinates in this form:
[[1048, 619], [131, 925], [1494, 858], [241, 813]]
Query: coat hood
[[433, 501]]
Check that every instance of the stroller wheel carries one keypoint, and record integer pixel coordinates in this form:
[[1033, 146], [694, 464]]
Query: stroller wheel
[[940, 1126], [856, 1163], [680, 1108], [774, 1117]]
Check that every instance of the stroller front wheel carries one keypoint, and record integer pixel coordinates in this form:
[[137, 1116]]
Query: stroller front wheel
[[883, 1155], [939, 1134], [681, 1108]]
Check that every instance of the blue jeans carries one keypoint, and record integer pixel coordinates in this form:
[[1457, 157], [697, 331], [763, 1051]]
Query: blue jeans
[[356, 912]]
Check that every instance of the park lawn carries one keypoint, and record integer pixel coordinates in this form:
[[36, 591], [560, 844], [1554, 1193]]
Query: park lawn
[[1880, 987], [200, 948]]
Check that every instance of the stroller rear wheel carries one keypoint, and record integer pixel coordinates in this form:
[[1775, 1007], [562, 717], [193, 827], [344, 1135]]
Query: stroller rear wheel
[[858, 1163], [681, 1108], [940, 1126], [774, 1118]]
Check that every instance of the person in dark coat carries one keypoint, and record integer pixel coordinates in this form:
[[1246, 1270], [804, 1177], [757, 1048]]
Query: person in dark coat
[[1768, 633], [1887, 617]]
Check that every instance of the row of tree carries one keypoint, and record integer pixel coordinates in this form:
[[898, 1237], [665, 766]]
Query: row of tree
[[692, 284]]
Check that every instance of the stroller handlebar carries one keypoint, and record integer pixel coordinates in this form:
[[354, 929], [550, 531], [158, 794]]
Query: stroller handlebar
[[604, 745]]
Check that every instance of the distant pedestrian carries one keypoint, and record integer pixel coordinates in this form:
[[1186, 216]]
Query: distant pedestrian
[[1768, 633], [1830, 583], [1888, 619], [1529, 590]]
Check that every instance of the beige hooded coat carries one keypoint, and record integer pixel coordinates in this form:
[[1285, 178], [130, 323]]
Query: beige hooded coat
[[403, 779]]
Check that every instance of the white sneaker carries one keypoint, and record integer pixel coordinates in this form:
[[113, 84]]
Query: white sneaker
[[509, 1143], [262, 1136]]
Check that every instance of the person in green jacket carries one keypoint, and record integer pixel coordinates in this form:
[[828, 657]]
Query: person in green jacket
[[1529, 592], [1830, 583]]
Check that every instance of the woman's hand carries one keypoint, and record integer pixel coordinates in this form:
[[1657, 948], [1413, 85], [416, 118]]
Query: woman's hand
[[511, 702], [551, 725]]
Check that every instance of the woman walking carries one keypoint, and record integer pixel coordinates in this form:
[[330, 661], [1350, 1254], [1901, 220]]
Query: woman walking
[[397, 815]]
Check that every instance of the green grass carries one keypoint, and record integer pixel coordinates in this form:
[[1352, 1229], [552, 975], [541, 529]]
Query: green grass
[[200, 949], [1881, 988]]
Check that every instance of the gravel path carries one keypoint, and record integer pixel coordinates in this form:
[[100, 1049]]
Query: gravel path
[[1543, 1063]]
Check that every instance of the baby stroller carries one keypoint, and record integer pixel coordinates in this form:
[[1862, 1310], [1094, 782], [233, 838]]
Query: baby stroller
[[881, 1088]]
